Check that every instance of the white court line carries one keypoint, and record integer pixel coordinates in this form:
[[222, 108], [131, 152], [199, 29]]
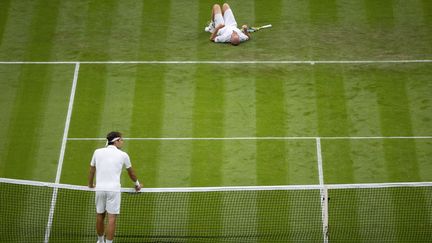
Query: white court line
[[62, 153], [311, 62], [67, 123], [262, 138], [323, 191], [319, 160]]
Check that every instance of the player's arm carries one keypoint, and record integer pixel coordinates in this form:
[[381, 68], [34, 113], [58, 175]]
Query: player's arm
[[245, 31], [214, 34], [91, 176], [134, 178]]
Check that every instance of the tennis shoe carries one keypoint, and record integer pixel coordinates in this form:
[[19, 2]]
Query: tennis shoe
[[210, 28]]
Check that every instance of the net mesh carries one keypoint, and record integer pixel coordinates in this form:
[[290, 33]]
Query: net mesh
[[392, 214], [201, 216], [397, 214]]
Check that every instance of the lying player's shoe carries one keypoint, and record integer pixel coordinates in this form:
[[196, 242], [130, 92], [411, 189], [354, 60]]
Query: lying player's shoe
[[210, 28]]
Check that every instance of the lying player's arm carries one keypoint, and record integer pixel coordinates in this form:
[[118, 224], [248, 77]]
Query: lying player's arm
[[214, 34], [245, 31]]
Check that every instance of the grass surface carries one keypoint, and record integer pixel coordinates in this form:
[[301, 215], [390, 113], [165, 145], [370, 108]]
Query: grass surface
[[224, 101]]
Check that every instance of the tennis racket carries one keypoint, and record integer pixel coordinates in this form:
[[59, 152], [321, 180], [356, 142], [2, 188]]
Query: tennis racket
[[255, 29]]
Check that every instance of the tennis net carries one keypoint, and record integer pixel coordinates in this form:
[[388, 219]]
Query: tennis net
[[46, 212]]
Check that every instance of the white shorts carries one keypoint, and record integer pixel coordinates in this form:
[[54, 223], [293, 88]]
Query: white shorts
[[108, 202], [227, 19]]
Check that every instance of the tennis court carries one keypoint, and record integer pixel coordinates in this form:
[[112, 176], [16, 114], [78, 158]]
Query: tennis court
[[316, 130]]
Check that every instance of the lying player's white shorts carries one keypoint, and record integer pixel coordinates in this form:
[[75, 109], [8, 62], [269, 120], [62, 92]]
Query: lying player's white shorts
[[108, 202], [227, 19]]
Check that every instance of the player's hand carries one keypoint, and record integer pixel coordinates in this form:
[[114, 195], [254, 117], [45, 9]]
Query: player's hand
[[138, 188]]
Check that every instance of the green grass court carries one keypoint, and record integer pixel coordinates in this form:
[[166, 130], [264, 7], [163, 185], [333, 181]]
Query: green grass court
[[187, 114]]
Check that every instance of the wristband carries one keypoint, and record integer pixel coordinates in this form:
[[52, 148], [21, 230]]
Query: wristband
[[137, 183]]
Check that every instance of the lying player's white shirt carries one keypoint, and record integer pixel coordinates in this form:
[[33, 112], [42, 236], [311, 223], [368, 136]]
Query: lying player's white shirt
[[224, 34]]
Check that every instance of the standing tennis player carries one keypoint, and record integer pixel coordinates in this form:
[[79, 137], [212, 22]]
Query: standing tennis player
[[107, 163], [223, 26]]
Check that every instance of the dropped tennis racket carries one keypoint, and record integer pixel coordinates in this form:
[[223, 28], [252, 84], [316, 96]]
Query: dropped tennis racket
[[255, 29]]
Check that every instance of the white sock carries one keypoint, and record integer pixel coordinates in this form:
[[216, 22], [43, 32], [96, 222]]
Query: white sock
[[108, 241], [100, 239]]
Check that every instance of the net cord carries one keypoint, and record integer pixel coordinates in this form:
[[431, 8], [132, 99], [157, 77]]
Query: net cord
[[227, 188]]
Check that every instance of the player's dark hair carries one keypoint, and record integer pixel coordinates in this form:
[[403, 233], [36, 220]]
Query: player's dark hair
[[111, 136]]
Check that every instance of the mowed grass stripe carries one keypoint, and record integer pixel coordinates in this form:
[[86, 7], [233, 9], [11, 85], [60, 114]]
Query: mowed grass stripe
[[239, 162], [427, 10], [116, 114], [323, 13], [91, 86], [36, 122], [70, 36], [333, 118], [361, 99], [175, 165], [4, 14], [126, 36], [153, 48], [42, 29], [271, 113], [29, 105], [424, 153], [324, 27], [271, 166], [9, 88], [393, 102], [300, 101], [149, 97], [418, 89], [300, 120], [208, 121], [98, 29], [175, 160], [147, 119], [92, 83], [53, 124], [19, 17], [380, 14], [409, 25]]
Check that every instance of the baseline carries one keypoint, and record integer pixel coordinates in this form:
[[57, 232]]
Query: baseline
[[311, 62]]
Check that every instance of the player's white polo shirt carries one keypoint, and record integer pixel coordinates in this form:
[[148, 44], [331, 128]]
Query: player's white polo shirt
[[109, 163]]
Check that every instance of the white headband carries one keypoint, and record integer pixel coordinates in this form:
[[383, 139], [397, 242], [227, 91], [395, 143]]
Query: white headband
[[113, 140]]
